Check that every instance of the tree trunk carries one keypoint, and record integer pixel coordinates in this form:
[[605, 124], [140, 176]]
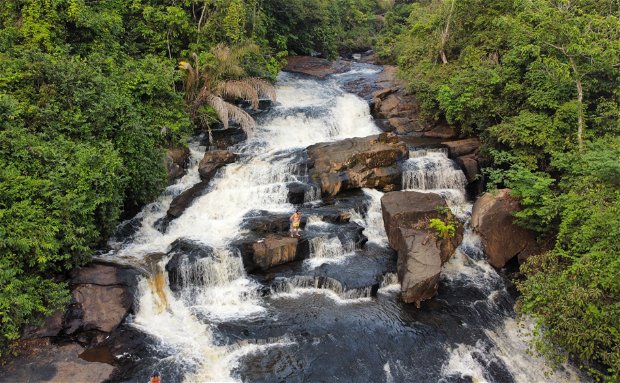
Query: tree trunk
[[445, 34], [580, 119]]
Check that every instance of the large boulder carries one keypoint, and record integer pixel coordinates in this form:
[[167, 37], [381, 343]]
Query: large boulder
[[421, 250], [42, 361], [183, 200], [212, 161], [176, 161], [183, 267], [466, 153], [315, 66], [371, 162], [397, 110], [102, 296], [492, 219], [274, 250]]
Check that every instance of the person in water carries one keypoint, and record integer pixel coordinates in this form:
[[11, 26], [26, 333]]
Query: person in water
[[295, 222], [155, 378]]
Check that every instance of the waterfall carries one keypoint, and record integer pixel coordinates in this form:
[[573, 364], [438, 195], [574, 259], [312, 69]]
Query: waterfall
[[320, 320]]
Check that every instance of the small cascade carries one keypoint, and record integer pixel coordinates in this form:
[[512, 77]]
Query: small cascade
[[372, 219], [432, 169], [295, 285], [328, 247]]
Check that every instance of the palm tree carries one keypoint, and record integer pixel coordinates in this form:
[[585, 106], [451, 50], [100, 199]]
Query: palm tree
[[224, 79]]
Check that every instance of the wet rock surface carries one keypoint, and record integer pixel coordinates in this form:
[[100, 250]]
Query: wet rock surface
[[176, 160], [212, 161], [371, 162], [274, 250], [315, 66], [45, 362], [421, 251], [185, 255], [492, 219]]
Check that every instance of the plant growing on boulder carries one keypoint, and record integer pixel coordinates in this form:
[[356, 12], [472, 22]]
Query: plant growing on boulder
[[442, 229]]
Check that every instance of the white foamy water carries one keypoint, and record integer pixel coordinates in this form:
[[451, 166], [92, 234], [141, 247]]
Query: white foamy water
[[217, 288], [372, 221]]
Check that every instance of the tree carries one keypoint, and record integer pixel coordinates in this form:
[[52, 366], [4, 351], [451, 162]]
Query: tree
[[223, 79]]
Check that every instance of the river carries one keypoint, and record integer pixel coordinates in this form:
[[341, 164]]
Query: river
[[336, 316]]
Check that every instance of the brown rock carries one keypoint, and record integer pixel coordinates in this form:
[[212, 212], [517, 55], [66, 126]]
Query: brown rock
[[212, 161], [358, 162], [103, 307], [461, 147], [50, 363], [176, 161], [492, 219], [469, 164], [421, 253], [183, 200], [274, 250], [442, 131], [314, 66]]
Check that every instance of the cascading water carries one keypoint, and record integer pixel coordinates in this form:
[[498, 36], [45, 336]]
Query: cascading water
[[322, 320]]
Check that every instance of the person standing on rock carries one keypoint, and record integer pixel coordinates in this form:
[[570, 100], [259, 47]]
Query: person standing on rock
[[295, 222]]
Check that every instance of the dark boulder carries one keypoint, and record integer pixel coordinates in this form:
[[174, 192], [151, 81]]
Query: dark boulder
[[176, 160], [182, 267], [212, 161], [421, 251], [492, 219], [183, 201]]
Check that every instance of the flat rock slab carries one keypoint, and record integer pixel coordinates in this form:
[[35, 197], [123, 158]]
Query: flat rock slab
[[49, 363], [371, 162], [314, 66], [274, 250]]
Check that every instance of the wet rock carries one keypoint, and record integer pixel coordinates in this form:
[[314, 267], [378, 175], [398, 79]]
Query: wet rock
[[50, 327], [461, 147], [469, 165], [297, 192], [399, 111], [103, 295], [421, 251], [224, 138], [183, 262], [274, 250], [45, 362], [370, 162], [492, 219], [183, 201], [314, 66], [176, 161], [212, 161]]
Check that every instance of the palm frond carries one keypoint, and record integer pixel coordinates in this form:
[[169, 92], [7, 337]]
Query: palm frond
[[220, 106], [241, 117], [263, 88], [238, 89]]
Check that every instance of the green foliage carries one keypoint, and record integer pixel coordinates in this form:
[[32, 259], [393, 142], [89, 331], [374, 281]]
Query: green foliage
[[539, 83], [442, 229]]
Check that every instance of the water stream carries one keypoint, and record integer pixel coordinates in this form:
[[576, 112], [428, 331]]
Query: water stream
[[335, 316]]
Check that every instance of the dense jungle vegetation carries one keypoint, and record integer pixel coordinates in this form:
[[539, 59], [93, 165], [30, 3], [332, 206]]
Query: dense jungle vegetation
[[91, 93]]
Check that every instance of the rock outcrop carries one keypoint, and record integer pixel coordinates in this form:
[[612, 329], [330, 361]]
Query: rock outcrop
[[421, 250], [397, 110], [176, 162], [102, 297], [315, 66], [183, 268], [492, 219], [274, 250], [466, 153], [371, 162], [212, 161], [209, 165]]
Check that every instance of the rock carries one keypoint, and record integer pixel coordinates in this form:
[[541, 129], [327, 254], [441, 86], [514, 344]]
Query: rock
[[103, 294], [224, 138], [274, 250], [421, 252], [176, 161], [370, 162], [469, 165], [314, 66], [297, 192], [45, 362], [441, 131], [183, 200], [461, 147], [103, 307], [182, 267], [492, 219], [51, 326], [212, 161]]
